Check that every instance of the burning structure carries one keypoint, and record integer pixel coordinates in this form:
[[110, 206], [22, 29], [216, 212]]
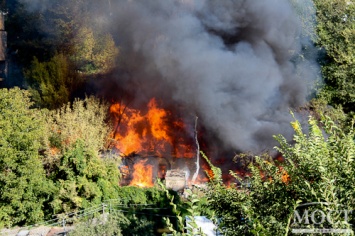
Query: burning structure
[[154, 143], [240, 66]]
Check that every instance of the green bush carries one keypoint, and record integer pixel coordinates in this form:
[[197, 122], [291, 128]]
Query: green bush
[[52, 83], [318, 167], [76, 134], [335, 30], [107, 225], [24, 189]]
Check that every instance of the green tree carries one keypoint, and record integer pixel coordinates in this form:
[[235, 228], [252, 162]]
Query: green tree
[[24, 188], [94, 52], [105, 53], [83, 119], [83, 179], [52, 83], [84, 43], [77, 29], [77, 33], [76, 135], [336, 35], [318, 167], [67, 18]]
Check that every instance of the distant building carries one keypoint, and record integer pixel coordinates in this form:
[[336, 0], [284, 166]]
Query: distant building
[[3, 47]]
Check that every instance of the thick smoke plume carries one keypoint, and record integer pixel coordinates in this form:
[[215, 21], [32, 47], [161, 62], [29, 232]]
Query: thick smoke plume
[[236, 63], [239, 65]]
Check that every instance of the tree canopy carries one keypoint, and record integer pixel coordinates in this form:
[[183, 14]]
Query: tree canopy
[[52, 83], [76, 133], [24, 188], [336, 35], [318, 167]]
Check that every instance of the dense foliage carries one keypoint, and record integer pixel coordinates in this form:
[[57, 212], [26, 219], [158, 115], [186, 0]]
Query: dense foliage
[[52, 83], [137, 211], [76, 134], [103, 226], [335, 28], [94, 53], [24, 188], [319, 167], [50, 160], [58, 49], [81, 120]]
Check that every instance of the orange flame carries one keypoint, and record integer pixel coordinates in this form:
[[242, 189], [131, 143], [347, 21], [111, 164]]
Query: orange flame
[[156, 118], [153, 131], [150, 130], [142, 175]]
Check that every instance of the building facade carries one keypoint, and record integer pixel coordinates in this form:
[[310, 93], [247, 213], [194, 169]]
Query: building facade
[[3, 47]]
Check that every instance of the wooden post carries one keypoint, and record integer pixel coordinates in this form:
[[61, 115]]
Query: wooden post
[[103, 208], [63, 225]]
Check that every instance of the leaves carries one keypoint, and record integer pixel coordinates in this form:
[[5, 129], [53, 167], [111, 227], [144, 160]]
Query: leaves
[[318, 167], [53, 82], [93, 52], [84, 119], [78, 133], [23, 186], [336, 34]]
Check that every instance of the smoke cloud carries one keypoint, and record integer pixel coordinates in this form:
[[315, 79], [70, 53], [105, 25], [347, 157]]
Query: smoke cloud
[[240, 65]]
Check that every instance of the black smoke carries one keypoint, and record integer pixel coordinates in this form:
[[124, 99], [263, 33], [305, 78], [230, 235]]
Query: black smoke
[[240, 65]]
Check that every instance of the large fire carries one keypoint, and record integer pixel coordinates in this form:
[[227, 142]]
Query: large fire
[[141, 174], [151, 131], [154, 139]]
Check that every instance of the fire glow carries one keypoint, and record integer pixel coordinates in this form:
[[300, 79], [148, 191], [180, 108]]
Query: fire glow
[[150, 131], [140, 174]]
